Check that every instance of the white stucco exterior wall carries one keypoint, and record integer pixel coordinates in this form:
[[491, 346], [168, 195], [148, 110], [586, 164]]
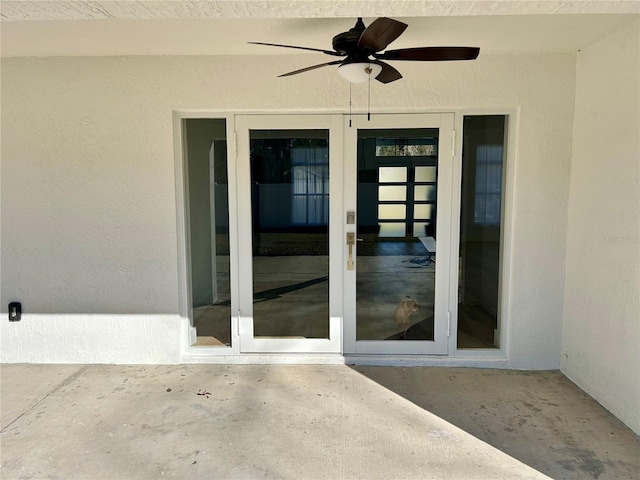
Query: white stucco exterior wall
[[88, 196], [601, 334]]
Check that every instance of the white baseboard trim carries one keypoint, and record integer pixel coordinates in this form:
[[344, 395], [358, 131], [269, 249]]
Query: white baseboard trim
[[93, 339]]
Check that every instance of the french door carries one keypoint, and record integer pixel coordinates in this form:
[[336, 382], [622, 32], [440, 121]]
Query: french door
[[398, 181], [338, 225], [289, 208]]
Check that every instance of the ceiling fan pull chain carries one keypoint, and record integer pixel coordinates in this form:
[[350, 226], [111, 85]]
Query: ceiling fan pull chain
[[349, 104], [369, 101]]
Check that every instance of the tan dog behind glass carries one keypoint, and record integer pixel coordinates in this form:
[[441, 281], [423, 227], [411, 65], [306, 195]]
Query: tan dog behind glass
[[403, 312]]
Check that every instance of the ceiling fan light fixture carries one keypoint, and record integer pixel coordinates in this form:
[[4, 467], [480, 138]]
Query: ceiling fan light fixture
[[359, 72]]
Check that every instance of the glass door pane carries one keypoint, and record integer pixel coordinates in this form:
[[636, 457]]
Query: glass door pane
[[290, 227], [481, 201], [395, 277], [208, 198]]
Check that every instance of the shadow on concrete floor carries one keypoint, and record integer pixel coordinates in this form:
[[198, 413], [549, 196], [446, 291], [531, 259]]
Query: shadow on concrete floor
[[539, 418]]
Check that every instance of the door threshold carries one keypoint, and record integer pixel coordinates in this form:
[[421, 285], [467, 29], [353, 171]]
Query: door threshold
[[426, 361], [215, 356]]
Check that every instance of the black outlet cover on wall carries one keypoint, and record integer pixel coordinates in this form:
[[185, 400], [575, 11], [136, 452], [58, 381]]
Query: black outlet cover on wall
[[15, 311]]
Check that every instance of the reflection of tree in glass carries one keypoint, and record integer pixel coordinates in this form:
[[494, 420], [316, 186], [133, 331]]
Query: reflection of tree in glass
[[405, 150]]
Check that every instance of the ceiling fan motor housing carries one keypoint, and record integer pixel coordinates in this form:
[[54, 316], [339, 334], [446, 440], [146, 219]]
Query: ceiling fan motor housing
[[346, 43]]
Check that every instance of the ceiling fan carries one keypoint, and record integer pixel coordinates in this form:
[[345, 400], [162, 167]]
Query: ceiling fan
[[360, 46]]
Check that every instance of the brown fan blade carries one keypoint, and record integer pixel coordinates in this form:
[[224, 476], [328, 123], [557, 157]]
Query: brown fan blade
[[388, 73], [302, 70], [328, 52], [430, 54], [381, 33]]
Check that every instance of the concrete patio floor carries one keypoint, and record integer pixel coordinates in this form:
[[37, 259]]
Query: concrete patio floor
[[307, 422]]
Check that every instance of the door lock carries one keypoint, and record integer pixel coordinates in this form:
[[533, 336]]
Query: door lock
[[351, 218]]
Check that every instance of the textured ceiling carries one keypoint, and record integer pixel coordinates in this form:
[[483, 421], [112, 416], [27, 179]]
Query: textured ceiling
[[17, 10], [223, 27]]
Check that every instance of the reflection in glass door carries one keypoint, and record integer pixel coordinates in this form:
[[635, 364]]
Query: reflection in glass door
[[401, 287], [395, 279], [291, 291], [290, 225], [208, 200], [481, 229]]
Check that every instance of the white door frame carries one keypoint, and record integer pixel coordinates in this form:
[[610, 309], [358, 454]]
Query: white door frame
[[442, 316], [248, 342], [465, 357]]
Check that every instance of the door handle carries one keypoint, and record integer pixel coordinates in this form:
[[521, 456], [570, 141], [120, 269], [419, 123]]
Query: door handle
[[351, 239]]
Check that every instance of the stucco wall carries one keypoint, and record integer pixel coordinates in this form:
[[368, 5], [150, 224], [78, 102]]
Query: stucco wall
[[88, 198], [601, 333]]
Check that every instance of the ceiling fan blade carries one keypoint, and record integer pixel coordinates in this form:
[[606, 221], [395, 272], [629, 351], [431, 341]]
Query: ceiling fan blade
[[328, 52], [388, 73], [313, 67], [381, 33], [430, 54]]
